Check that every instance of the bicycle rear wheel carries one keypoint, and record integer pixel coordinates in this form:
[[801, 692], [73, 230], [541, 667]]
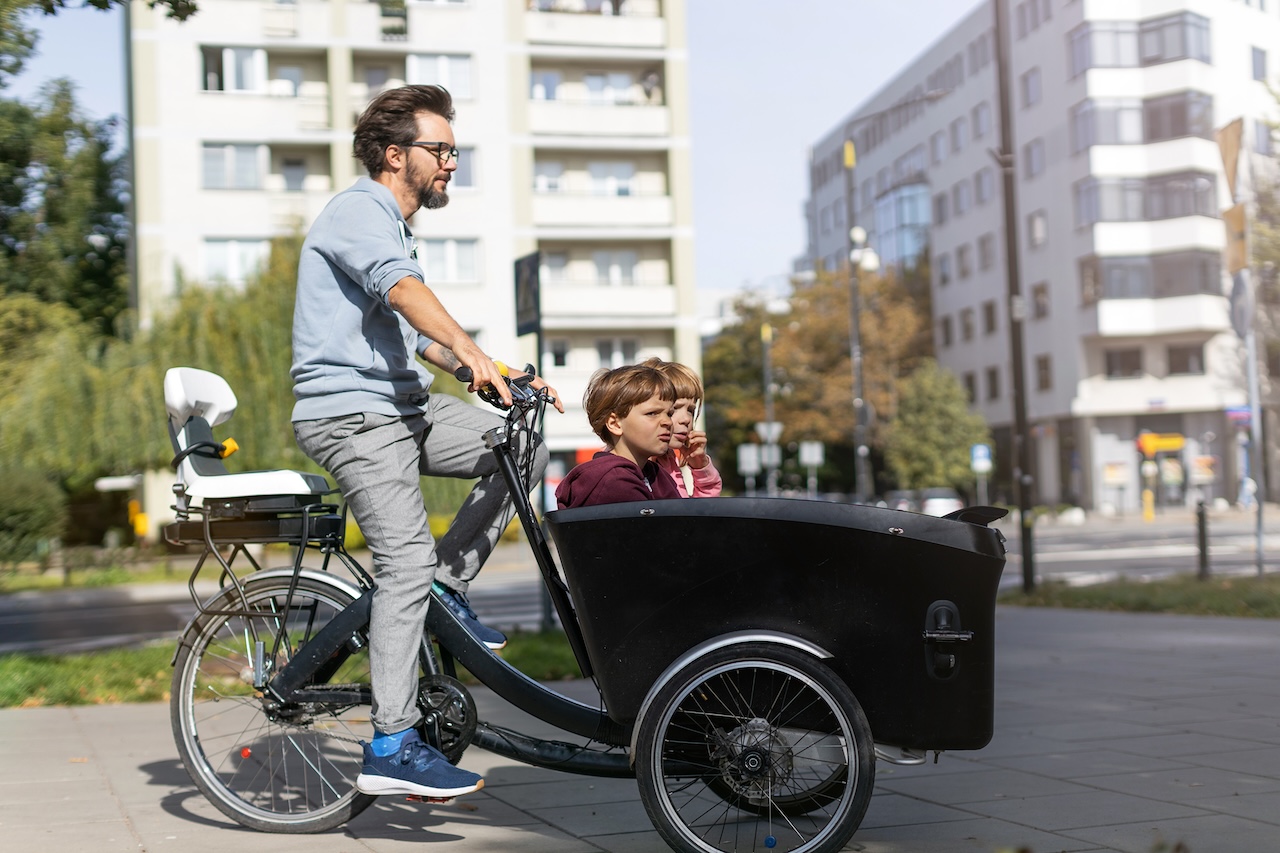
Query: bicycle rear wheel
[[290, 770]]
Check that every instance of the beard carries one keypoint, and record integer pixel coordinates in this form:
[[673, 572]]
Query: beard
[[428, 196]]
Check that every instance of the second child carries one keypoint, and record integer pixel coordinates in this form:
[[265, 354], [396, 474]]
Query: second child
[[630, 409], [687, 462]]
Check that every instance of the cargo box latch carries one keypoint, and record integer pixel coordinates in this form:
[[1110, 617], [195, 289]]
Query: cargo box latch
[[942, 631]]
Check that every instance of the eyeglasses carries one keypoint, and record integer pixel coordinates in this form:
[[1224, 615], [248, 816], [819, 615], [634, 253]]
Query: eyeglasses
[[444, 151]]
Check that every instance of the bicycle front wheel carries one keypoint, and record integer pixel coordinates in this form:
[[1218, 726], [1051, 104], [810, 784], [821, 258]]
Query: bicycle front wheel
[[290, 769]]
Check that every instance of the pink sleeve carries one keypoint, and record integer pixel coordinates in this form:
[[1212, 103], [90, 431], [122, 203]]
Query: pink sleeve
[[706, 481]]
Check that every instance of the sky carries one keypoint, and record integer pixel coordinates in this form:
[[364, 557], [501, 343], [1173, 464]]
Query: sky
[[768, 78]]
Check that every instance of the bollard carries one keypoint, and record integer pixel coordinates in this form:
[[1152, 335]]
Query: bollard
[[1202, 540]]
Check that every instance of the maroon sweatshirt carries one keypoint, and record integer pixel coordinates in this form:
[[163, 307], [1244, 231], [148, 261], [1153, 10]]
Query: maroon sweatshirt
[[610, 479]]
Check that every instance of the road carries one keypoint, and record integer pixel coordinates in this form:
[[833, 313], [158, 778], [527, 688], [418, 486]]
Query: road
[[508, 594]]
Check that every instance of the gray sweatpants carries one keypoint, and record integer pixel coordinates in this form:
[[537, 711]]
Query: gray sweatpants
[[376, 461]]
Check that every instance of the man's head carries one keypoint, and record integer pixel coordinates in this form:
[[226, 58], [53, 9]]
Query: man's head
[[395, 124], [612, 394]]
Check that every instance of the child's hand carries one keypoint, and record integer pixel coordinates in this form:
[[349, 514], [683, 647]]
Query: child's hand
[[695, 450]]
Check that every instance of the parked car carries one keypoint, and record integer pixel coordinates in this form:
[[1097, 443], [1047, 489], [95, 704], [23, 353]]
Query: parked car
[[940, 501]]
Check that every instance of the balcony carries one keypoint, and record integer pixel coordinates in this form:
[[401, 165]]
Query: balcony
[[581, 118], [1098, 396], [268, 114], [602, 306], [1150, 238], [250, 212], [565, 22], [1142, 317], [553, 210]]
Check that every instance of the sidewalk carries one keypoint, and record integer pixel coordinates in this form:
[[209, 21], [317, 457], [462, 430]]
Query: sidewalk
[[1114, 732]]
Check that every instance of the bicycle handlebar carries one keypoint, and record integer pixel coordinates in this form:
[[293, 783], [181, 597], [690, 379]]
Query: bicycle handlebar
[[522, 395]]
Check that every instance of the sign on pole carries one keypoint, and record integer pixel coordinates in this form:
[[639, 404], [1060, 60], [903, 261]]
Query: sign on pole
[[528, 295], [748, 459], [980, 458]]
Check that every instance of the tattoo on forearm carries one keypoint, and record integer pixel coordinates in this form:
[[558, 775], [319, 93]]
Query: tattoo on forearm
[[449, 360]]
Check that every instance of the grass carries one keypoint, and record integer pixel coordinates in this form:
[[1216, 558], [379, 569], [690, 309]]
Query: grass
[[25, 580], [143, 674], [1251, 596]]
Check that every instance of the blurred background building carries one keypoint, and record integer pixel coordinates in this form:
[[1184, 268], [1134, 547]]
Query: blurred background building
[[573, 127], [1120, 185]]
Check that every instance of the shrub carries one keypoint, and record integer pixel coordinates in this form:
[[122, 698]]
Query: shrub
[[32, 510]]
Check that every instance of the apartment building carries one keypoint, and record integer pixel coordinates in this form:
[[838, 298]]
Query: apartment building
[[573, 128], [1119, 186]]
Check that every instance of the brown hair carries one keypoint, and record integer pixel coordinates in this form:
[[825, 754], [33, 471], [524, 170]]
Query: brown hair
[[392, 119], [686, 382], [620, 390]]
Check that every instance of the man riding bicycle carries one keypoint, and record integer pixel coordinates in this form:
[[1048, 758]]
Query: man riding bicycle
[[365, 413]]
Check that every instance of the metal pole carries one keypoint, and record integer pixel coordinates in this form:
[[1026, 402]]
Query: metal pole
[[770, 464], [1258, 460], [1016, 307], [1202, 540], [861, 460]]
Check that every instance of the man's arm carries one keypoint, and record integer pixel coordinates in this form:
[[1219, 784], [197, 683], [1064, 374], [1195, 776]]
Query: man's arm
[[444, 358], [451, 346]]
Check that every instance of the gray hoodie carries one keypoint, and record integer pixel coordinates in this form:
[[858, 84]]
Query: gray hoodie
[[351, 352]]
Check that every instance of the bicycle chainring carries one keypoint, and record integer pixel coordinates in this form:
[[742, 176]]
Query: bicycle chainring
[[448, 715]]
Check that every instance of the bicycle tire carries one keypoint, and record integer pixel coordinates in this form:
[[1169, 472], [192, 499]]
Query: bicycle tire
[[757, 746], [294, 773]]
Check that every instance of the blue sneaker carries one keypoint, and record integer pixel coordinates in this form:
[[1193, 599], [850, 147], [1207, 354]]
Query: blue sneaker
[[415, 769], [460, 607]]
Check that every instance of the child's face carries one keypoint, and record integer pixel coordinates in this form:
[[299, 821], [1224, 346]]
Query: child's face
[[682, 421], [646, 429]]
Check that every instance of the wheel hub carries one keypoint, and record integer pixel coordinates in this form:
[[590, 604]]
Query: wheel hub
[[753, 758]]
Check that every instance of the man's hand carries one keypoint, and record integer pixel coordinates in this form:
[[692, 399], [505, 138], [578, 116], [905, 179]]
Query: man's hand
[[537, 383], [466, 354]]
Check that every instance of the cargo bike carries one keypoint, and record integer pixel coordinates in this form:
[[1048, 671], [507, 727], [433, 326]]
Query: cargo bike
[[754, 656]]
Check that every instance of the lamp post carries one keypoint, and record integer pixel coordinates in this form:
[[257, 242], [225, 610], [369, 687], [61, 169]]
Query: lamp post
[[862, 258]]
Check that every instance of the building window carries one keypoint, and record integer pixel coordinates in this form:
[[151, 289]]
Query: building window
[[552, 267], [964, 261], [1174, 37], [612, 178], [981, 118], [940, 207], [1037, 229], [944, 269], [609, 89], [1151, 277], [1259, 64], [1029, 88], [962, 197], [993, 383], [1186, 360], [984, 184], [1033, 158], [1262, 138], [966, 324], [1180, 194], [616, 352], [1105, 121], [1103, 44], [448, 260], [1178, 115], [294, 172], [234, 261], [234, 69], [944, 331], [1108, 200], [1090, 281], [958, 129], [450, 70], [989, 320], [1044, 373], [544, 85], [465, 174], [548, 176], [986, 251], [1124, 363], [559, 352], [616, 267], [938, 147], [232, 167], [971, 387], [1040, 300]]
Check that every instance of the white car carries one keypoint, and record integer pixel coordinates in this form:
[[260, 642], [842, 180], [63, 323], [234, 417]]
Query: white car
[[940, 501]]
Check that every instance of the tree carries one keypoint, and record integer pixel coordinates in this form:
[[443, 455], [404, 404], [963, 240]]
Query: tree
[[927, 442], [63, 229], [179, 10]]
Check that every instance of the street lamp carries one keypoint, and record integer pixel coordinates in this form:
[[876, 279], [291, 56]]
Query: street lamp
[[862, 258]]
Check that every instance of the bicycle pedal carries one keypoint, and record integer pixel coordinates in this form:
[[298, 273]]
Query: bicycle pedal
[[415, 798]]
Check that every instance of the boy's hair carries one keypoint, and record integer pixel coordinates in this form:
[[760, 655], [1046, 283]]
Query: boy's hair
[[686, 382], [620, 390], [392, 119]]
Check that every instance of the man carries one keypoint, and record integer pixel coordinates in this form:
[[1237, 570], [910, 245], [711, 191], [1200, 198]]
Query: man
[[365, 414]]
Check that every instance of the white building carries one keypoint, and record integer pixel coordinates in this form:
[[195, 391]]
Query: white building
[[1119, 187], [572, 122]]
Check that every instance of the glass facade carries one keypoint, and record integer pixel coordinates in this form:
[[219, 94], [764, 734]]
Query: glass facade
[[902, 224]]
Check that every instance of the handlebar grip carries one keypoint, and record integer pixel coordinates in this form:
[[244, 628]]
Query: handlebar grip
[[463, 374]]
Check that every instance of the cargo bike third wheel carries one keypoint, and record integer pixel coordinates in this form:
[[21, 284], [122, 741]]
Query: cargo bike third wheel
[[755, 747]]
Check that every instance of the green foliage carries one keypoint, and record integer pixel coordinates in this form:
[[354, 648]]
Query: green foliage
[[17, 40], [1240, 596], [63, 229], [119, 675], [928, 441], [179, 10], [32, 509]]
